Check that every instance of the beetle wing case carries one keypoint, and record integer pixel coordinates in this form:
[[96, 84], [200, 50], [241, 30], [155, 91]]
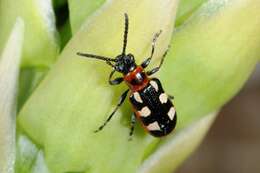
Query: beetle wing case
[[154, 108]]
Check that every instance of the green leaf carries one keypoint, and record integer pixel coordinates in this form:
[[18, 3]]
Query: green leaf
[[206, 69], [40, 165], [176, 149], [58, 3], [40, 46], [63, 109], [9, 71], [29, 159], [65, 33], [80, 10], [26, 154], [186, 9], [212, 56], [29, 79]]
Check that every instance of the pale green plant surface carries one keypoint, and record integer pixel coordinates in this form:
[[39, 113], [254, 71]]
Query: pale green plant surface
[[186, 9], [29, 80], [79, 80], [194, 56], [213, 51], [208, 66], [26, 154], [176, 149], [40, 47], [213, 54], [9, 71], [80, 10]]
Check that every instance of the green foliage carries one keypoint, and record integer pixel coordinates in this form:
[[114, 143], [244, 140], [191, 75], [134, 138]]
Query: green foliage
[[73, 81], [211, 58], [80, 10], [185, 9], [9, 72], [213, 51], [40, 47]]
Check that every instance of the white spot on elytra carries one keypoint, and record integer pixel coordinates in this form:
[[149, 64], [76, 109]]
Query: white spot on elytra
[[145, 112], [171, 113], [154, 84], [153, 126], [163, 98], [138, 97]]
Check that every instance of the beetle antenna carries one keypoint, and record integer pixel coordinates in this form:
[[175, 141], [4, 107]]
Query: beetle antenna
[[125, 33], [108, 60], [96, 57]]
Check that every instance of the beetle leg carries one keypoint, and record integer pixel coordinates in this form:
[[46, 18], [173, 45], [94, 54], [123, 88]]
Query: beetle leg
[[115, 81], [156, 69], [148, 60], [170, 97], [133, 121], [122, 99]]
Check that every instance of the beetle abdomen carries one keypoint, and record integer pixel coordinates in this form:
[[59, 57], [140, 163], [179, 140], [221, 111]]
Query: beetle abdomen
[[154, 108]]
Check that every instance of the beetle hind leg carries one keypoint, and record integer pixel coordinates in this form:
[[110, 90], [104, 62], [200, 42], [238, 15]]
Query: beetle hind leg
[[133, 121], [171, 97]]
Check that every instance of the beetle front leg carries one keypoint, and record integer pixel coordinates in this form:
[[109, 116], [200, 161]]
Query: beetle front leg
[[156, 69], [115, 81], [122, 99], [148, 60]]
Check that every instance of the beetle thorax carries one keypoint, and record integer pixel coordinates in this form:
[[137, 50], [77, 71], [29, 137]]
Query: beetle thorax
[[136, 79]]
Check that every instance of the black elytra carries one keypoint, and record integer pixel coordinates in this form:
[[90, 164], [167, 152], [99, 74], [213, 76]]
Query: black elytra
[[151, 105]]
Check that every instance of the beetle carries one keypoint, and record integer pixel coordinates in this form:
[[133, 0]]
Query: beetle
[[151, 105]]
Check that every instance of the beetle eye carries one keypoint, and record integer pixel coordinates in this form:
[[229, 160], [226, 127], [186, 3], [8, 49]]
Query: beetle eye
[[131, 57]]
